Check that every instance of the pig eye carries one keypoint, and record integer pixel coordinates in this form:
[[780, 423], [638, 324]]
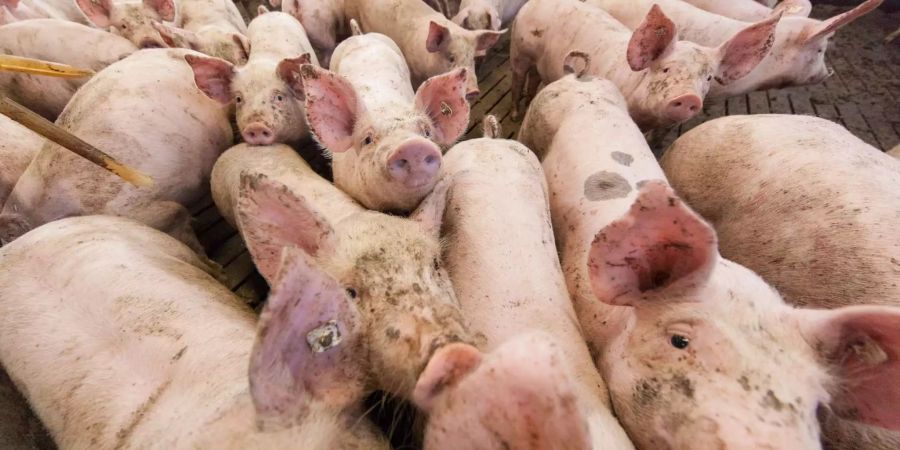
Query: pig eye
[[352, 293], [680, 342], [437, 264], [238, 99], [709, 78], [279, 97], [452, 59], [367, 140], [427, 133], [666, 70]]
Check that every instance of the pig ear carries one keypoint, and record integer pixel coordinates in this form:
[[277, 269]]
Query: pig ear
[[660, 244], [430, 213], [862, 346], [742, 53], [485, 39], [165, 8], [651, 39], [11, 4], [490, 127], [438, 37], [289, 72], [308, 345], [176, 37], [243, 43], [212, 76], [97, 12], [824, 29], [272, 218], [443, 99], [332, 107], [800, 8], [447, 367], [262, 9], [275, 3]]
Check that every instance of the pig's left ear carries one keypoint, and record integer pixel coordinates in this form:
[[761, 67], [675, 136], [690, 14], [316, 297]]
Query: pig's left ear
[[743, 52], [823, 30], [430, 213], [485, 39], [443, 99], [447, 367], [212, 76], [651, 39], [165, 8], [660, 244], [861, 346], [272, 218], [289, 72], [308, 345]]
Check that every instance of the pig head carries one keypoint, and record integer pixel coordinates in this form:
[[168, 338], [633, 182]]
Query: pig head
[[214, 40], [451, 47], [386, 161], [707, 355], [132, 20]]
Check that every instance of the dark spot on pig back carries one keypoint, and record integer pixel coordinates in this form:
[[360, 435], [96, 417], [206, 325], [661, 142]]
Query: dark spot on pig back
[[537, 33], [622, 158], [605, 185]]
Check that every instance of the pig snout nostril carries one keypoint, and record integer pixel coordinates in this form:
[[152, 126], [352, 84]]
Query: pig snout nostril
[[677, 104], [431, 159]]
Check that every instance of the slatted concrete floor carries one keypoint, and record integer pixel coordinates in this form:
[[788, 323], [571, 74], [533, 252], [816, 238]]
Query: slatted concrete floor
[[862, 95]]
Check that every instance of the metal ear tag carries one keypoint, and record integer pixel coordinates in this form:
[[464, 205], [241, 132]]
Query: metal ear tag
[[324, 338]]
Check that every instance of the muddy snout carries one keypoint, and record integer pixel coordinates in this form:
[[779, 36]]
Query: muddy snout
[[415, 163], [683, 107], [258, 133]]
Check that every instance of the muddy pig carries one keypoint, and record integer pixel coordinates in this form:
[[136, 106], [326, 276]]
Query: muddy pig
[[146, 112], [134, 369], [18, 10], [663, 79], [502, 259], [213, 27], [385, 140], [267, 92], [487, 14], [132, 20], [18, 146], [58, 41], [752, 11], [698, 352], [798, 51], [389, 266]]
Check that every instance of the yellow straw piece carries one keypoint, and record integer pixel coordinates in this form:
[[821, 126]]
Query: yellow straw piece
[[9, 63]]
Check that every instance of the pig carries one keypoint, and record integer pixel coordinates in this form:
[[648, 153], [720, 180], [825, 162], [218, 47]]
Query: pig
[[389, 266], [18, 146], [385, 141], [798, 52], [510, 284], [487, 14], [325, 21], [213, 27], [663, 79], [58, 41], [895, 152], [19, 428], [267, 92], [698, 351], [130, 19], [18, 10], [132, 368], [751, 10], [146, 112]]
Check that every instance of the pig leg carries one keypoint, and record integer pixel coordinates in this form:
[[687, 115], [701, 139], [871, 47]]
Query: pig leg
[[519, 74], [532, 83]]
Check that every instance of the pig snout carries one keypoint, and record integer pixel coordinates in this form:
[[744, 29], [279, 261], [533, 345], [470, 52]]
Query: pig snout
[[415, 164], [473, 95], [151, 43], [683, 107], [258, 133], [472, 91]]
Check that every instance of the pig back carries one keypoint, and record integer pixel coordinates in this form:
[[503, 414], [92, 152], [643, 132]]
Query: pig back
[[376, 68], [17, 148], [132, 323], [281, 163], [799, 200]]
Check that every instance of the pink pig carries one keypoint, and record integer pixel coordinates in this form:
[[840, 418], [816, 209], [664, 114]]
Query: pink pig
[[59, 41], [146, 112], [148, 350], [752, 11], [663, 79], [487, 14], [18, 147], [385, 140], [698, 352], [132, 20], [18, 10], [798, 51], [213, 27], [502, 259]]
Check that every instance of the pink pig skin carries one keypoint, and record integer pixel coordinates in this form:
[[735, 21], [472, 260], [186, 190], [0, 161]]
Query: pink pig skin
[[212, 27], [19, 10], [798, 51], [146, 112], [698, 352], [133, 20], [18, 147], [487, 14], [59, 41], [150, 351], [751, 10], [503, 262], [663, 79]]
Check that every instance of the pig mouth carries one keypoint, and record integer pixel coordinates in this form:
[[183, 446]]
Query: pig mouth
[[150, 43]]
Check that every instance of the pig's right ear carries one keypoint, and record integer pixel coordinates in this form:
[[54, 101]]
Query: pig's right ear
[[660, 244], [308, 347], [746, 49], [430, 213], [651, 39], [98, 12], [212, 76], [165, 8], [176, 37], [272, 218], [289, 72], [438, 37], [448, 366], [443, 99], [332, 107]]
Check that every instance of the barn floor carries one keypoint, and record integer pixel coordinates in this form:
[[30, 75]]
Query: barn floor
[[863, 95]]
